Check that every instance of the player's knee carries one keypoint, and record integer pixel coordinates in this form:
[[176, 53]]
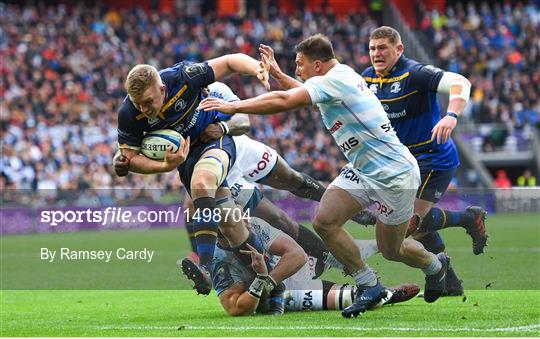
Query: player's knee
[[204, 184], [324, 225], [391, 253], [282, 222]]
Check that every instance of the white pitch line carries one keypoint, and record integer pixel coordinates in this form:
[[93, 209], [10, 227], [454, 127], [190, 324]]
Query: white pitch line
[[527, 328]]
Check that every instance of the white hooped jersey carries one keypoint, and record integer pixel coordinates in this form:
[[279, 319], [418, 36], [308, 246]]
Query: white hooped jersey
[[358, 123]]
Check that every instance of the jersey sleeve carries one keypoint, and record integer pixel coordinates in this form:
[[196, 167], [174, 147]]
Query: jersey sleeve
[[197, 75], [221, 91], [426, 77], [266, 233], [129, 134], [319, 89]]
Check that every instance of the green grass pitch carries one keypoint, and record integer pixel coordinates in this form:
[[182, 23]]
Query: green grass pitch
[[137, 298]]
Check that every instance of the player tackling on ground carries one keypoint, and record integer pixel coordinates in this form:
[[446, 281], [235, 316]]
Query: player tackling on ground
[[381, 170]]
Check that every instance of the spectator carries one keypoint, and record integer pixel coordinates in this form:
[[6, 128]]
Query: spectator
[[501, 180], [526, 179]]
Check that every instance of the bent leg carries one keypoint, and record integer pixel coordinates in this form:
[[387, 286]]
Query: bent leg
[[337, 206], [284, 177]]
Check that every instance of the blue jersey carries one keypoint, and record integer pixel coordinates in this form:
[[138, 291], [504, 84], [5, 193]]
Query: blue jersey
[[184, 83], [409, 97]]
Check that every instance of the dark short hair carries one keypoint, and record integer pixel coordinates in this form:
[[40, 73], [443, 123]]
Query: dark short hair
[[316, 47], [386, 32]]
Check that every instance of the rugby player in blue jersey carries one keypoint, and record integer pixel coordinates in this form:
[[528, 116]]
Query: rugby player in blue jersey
[[408, 91], [381, 170], [169, 99]]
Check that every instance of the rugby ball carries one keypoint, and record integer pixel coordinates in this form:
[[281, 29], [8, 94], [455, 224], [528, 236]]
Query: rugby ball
[[155, 143]]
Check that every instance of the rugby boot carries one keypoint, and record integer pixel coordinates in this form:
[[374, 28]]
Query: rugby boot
[[435, 282], [365, 218], [453, 287], [199, 275], [477, 230], [402, 293], [366, 298]]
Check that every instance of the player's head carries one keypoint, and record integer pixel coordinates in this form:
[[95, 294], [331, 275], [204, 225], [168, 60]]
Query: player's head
[[312, 56], [385, 48], [145, 89]]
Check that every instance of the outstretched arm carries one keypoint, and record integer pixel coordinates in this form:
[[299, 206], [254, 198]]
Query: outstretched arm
[[285, 81], [268, 103], [239, 63]]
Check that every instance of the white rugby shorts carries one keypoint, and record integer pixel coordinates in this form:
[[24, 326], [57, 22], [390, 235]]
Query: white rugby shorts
[[254, 160], [394, 200]]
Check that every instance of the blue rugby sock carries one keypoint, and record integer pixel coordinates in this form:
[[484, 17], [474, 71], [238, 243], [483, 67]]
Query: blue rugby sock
[[205, 229], [190, 228], [438, 218], [433, 242]]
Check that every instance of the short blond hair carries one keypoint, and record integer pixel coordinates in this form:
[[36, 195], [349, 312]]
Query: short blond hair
[[140, 78], [386, 32]]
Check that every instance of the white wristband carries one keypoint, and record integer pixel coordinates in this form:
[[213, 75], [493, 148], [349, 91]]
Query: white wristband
[[224, 127], [257, 286]]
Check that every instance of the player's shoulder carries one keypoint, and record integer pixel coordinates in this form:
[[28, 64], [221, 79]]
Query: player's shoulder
[[414, 66], [127, 110], [185, 69], [369, 72]]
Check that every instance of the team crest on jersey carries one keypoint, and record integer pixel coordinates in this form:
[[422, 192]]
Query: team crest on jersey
[[179, 105], [373, 88], [395, 87], [153, 121]]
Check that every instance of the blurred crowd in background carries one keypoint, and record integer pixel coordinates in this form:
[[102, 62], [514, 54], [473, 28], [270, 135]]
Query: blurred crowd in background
[[63, 70]]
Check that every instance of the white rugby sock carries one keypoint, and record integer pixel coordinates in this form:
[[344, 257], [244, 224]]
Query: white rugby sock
[[434, 266]]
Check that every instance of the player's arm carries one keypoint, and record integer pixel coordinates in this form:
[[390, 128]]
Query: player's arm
[[238, 124], [292, 258], [285, 81], [138, 163], [239, 63], [459, 89], [267, 103], [237, 301]]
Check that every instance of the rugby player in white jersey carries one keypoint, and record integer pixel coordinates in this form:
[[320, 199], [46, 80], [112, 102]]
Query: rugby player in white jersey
[[381, 170]]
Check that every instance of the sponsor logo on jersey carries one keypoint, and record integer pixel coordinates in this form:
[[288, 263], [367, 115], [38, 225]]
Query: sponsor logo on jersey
[[349, 144], [336, 126], [182, 129], [373, 88], [396, 115]]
